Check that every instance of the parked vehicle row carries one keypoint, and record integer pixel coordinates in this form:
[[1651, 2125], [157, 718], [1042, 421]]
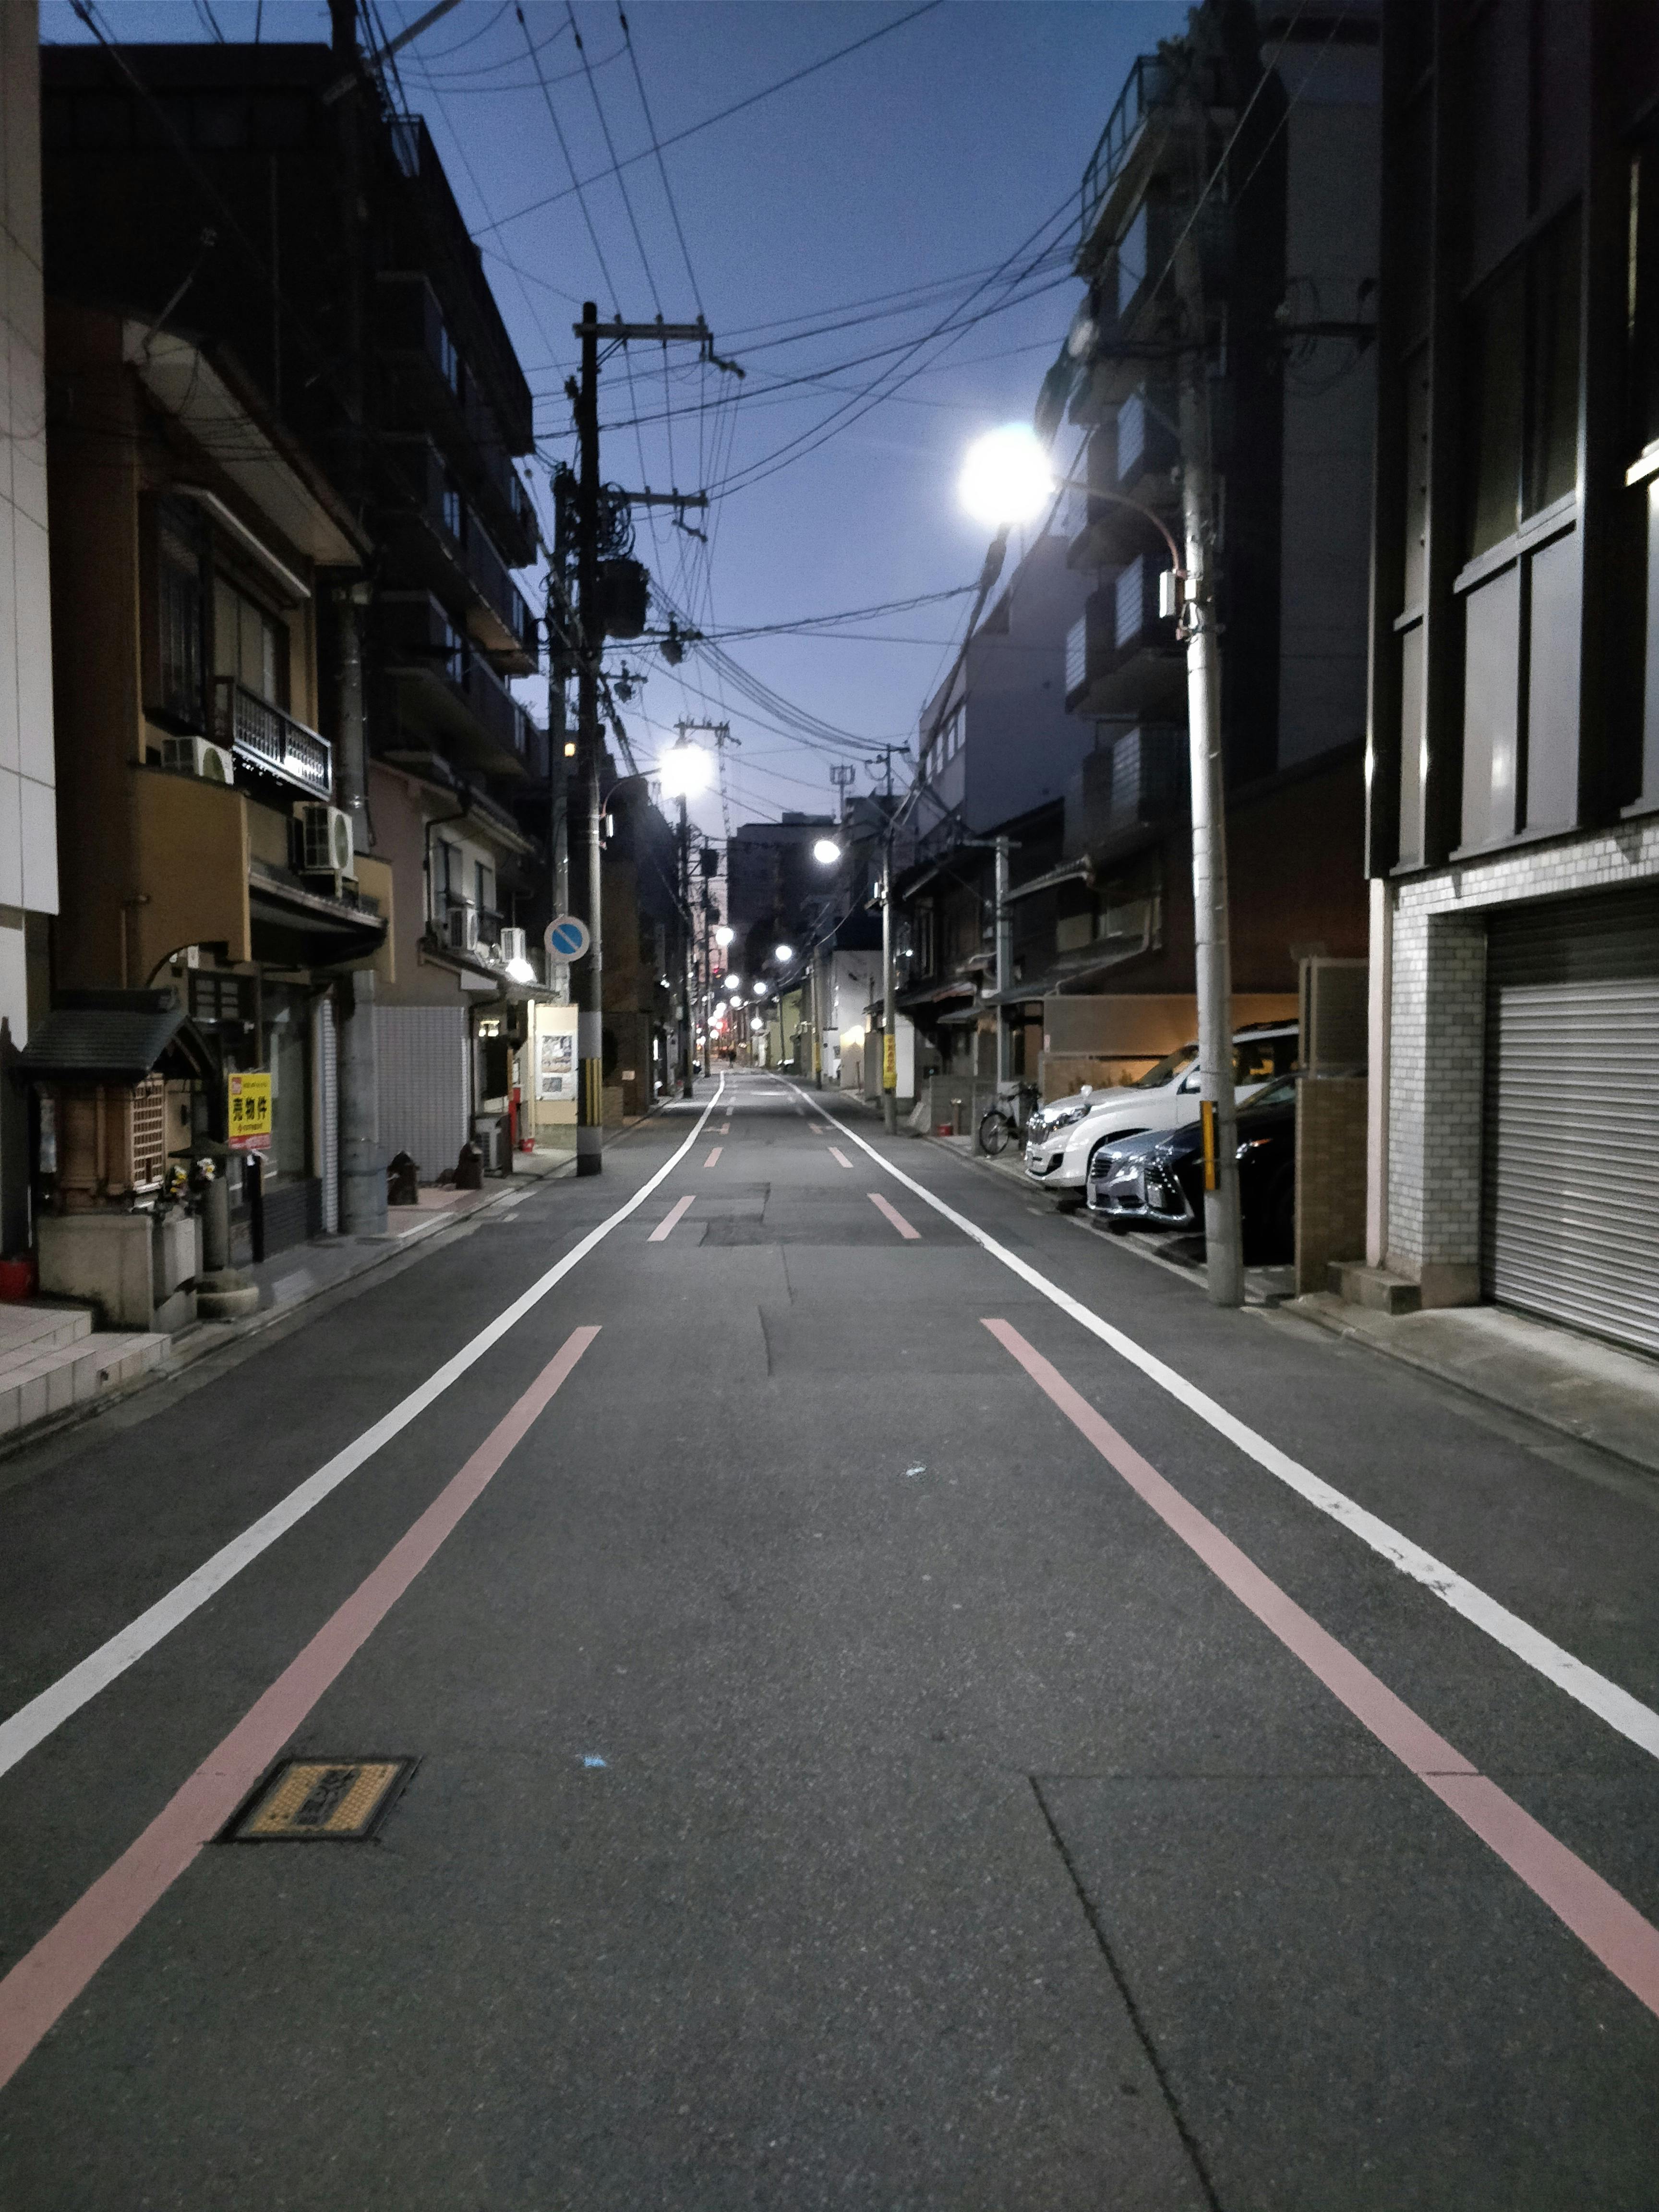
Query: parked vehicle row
[[1064, 1139], [1156, 1180]]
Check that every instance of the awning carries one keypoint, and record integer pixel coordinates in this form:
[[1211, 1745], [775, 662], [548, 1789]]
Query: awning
[[306, 927], [115, 1036]]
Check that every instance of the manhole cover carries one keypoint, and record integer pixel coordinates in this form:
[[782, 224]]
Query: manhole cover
[[341, 1801]]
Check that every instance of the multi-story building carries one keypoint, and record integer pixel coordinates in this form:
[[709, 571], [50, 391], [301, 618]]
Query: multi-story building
[[204, 849], [270, 198], [29, 829], [1251, 140], [1513, 768]]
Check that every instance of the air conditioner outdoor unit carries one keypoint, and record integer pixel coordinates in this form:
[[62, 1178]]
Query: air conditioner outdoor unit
[[463, 929], [199, 756], [326, 845], [515, 945]]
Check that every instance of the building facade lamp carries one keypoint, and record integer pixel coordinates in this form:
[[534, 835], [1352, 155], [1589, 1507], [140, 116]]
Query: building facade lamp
[[521, 971]]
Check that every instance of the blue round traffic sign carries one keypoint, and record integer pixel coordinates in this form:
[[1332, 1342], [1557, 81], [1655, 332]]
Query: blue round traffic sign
[[567, 937]]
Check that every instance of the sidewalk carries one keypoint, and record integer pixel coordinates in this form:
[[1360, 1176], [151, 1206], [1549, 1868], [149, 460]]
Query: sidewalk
[[1575, 1384]]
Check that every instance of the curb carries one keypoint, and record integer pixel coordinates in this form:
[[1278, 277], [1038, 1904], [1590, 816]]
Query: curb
[[1349, 1333], [209, 1338]]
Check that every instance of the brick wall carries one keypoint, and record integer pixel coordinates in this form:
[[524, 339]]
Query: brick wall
[[1330, 1175]]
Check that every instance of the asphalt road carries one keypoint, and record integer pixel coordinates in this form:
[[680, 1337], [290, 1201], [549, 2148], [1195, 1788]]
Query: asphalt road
[[850, 1772]]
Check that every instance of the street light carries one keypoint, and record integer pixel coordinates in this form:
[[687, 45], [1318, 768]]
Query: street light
[[760, 990], [521, 971], [1007, 480], [783, 952], [724, 935], [683, 769], [826, 852]]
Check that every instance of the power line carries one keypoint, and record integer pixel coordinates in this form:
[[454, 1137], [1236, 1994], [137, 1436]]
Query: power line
[[678, 138], [610, 148], [558, 131], [662, 166]]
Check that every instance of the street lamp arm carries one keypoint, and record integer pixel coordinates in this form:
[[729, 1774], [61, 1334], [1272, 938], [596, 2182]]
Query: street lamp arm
[[1122, 499]]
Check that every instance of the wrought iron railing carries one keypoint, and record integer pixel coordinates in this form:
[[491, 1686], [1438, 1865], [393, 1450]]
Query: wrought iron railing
[[267, 738], [1150, 84]]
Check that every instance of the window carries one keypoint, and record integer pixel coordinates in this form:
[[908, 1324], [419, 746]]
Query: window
[[1131, 601], [1132, 260], [249, 644], [450, 364], [178, 618], [454, 513], [483, 887], [1523, 440]]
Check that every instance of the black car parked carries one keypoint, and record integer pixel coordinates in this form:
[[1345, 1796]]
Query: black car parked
[[1156, 1181]]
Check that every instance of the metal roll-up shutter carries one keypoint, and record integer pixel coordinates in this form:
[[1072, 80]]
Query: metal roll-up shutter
[[1571, 1213]]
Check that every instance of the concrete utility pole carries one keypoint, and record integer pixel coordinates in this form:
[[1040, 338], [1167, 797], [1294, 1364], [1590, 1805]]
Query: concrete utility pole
[[889, 984], [688, 968], [1005, 940], [590, 1002], [1222, 1230]]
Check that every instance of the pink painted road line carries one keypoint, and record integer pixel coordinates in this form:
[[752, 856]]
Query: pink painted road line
[[45, 1981], [837, 1153], [1604, 1921], [668, 1220], [726, 1129], [895, 1216], [714, 1156]]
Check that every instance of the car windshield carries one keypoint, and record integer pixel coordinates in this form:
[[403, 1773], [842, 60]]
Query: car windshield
[[1172, 1065], [1282, 1093]]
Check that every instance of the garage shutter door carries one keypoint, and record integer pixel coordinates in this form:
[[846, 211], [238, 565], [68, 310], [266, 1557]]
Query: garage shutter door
[[1572, 1168]]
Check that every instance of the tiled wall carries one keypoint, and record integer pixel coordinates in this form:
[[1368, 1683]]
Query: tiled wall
[[1438, 1032]]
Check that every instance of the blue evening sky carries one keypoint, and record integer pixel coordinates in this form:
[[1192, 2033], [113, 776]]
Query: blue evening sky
[[945, 151]]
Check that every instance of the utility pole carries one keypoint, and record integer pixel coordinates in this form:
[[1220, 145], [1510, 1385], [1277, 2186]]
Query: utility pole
[[1005, 941], [1223, 1229], [585, 395], [590, 1000], [687, 1087], [889, 1011]]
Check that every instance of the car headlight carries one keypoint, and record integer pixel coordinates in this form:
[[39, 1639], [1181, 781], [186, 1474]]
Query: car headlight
[[1063, 1117], [1252, 1144]]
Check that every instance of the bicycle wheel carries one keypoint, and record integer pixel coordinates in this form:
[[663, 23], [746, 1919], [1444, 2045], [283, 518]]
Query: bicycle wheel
[[994, 1132]]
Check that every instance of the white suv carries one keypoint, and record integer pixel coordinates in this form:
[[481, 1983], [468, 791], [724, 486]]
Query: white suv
[[1061, 1139]]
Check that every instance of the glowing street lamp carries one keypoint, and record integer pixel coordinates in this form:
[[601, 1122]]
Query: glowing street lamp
[[784, 953], [725, 935], [826, 852], [683, 769], [760, 990], [1007, 478]]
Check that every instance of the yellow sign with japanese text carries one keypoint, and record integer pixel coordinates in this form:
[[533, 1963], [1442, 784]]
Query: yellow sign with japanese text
[[248, 1110], [889, 1063]]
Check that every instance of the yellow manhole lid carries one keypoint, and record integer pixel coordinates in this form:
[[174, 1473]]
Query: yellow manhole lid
[[321, 1800]]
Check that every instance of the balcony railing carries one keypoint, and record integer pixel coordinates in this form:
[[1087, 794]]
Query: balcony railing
[[267, 738], [1149, 84]]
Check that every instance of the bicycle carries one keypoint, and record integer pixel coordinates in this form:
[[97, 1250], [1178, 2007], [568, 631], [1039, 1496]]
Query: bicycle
[[1003, 1118]]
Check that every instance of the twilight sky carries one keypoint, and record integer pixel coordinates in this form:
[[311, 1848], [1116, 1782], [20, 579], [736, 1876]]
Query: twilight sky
[[929, 178]]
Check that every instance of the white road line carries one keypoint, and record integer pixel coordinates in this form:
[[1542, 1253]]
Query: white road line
[[666, 1225], [34, 1723], [1628, 1714], [835, 1154]]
